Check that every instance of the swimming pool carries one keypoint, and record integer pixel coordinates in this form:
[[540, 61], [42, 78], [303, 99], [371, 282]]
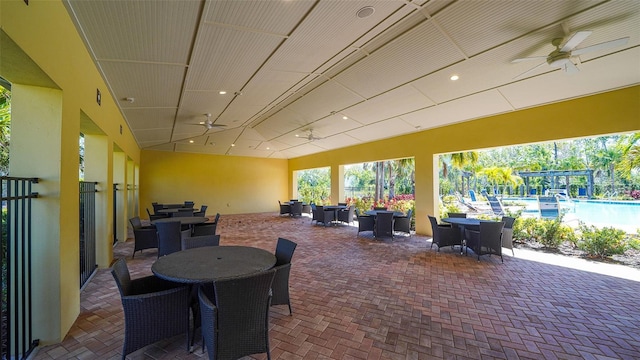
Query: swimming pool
[[620, 214]]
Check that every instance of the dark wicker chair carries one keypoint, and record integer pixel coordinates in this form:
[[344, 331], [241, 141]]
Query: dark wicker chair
[[204, 229], [328, 216], [365, 222], [384, 224], [320, 215], [183, 213], [507, 233], [403, 223], [156, 217], [457, 215], [189, 204], [444, 235], [347, 214], [315, 213], [285, 209], [202, 212], [486, 241], [136, 223], [238, 324], [380, 208], [169, 237], [144, 238], [296, 208], [154, 309], [280, 287], [157, 207], [200, 241]]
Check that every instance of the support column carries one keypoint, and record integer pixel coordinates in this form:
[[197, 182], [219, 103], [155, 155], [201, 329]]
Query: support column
[[39, 149], [98, 167]]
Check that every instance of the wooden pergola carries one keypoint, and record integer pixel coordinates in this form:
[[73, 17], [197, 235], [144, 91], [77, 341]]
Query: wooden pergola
[[554, 175]]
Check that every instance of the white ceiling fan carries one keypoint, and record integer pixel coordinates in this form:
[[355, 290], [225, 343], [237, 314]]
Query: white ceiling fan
[[310, 136], [208, 123], [566, 49]]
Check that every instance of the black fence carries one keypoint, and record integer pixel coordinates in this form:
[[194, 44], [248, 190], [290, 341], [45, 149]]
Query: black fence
[[17, 316], [88, 262]]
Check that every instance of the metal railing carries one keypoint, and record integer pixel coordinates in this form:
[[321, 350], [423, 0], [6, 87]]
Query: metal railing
[[88, 263], [17, 316]]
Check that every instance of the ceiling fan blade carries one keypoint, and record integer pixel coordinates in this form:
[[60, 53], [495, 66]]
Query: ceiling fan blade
[[570, 68], [529, 58], [605, 45], [531, 70], [575, 40]]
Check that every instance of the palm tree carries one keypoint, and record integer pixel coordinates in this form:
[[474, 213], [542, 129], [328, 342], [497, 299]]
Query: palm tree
[[501, 176], [458, 161]]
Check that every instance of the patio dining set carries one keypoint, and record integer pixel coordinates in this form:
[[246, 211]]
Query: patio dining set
[[226, 291]]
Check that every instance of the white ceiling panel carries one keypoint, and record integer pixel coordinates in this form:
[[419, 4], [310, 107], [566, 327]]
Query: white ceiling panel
[[272, 17], [268, 85], [320, 102], [329, 28], [416, 53], [391, 127], [226, 58], [281, 123], [120, 30], [151, 85], [467, 108], [480, 25], [194, 104], [150, 118], [387, 105], [333, 124], [153, 135]]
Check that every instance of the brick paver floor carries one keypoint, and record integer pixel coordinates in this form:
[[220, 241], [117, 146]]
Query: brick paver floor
[[355, 297]]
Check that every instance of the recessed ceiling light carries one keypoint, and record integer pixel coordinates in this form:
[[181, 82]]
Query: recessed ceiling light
[[345, 118], [454, 77], [365, 12], [232, 145], [297, 135], [191, 141], [268, 148], [222, 92]]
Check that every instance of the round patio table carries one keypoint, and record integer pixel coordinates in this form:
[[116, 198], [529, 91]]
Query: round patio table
[[188, 220], [206, 264], [173, 210], [375, 213]]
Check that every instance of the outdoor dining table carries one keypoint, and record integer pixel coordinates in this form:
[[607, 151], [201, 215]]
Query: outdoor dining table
[[464, 223], [210, 263], [335, 209], [375, 213], [184, 220], [174, 210]]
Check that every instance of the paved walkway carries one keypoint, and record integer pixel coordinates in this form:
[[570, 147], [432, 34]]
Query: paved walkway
[[359, 298]]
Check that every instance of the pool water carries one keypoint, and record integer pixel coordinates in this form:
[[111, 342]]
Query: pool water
[[620, 214]]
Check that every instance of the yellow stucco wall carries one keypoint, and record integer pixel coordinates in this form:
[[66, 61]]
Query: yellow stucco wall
[[226, 184]]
